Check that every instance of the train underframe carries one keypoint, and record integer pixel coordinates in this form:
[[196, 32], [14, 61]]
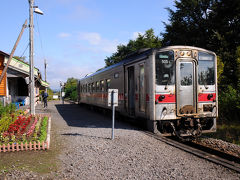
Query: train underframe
[[186, 127]]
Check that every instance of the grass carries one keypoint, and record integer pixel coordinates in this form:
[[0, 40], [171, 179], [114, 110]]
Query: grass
[[228, 132]]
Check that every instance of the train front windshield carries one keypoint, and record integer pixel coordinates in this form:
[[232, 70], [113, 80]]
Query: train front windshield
[[165, 71], [206, 68]]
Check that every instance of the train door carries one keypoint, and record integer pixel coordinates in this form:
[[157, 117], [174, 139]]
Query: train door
[[186, 86], [131, 91], [141, 88]]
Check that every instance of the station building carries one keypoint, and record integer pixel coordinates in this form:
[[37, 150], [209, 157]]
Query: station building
[[14, 87]]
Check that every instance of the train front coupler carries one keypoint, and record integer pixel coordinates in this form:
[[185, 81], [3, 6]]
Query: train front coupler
[[187, 128]]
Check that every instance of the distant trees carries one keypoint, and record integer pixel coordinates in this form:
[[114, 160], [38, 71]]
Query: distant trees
[[147, 40], [71, 89]]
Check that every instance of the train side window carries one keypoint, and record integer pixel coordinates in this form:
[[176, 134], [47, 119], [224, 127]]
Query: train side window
[[102, 86], [98, 86], [90, 88], [108, 81], [165, 74], [93, 87]]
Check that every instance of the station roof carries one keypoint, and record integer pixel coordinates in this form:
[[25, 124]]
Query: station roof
[[23, 67]]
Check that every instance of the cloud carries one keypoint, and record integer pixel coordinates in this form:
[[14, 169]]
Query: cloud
[[136, 34], [63, 72], [92, 38], [96, 43], [64, 35]]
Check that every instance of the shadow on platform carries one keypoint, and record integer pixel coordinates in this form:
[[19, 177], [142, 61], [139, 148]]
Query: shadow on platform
[[83, 135], [80, 116]]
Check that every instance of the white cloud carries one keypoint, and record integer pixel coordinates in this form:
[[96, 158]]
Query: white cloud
[[96, 43], [135, 34], [64, 35], [92, 37], [63, 72]]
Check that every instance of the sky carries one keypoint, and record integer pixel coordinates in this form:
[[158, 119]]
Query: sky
[[75, 36]]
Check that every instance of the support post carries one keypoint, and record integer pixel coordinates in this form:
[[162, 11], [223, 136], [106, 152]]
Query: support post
[[113, 113], [13, 50]]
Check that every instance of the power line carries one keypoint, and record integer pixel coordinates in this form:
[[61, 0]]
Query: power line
[[40, 37], [24, 50]]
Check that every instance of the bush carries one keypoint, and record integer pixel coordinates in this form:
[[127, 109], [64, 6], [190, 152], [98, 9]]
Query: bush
[[43, 130], [229, 105], [230, 133]]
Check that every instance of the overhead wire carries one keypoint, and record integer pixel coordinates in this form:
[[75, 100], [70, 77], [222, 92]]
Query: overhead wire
[[24, 50], [40, 37]]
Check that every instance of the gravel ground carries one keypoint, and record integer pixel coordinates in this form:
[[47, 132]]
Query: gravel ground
[[226, 147], [87, 152]]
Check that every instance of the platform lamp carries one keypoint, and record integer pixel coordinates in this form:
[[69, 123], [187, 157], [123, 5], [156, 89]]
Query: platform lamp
[[31, 62]]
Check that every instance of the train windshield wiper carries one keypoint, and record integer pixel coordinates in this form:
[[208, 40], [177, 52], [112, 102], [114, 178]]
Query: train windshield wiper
[[168, 81], [205, 84]]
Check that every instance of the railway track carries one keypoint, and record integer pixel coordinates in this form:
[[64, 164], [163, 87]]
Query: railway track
[[217, 157]]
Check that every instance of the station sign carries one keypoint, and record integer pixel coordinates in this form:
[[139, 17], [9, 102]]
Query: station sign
[[113, 99]]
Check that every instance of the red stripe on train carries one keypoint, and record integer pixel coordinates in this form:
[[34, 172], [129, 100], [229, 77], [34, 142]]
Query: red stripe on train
[[165, 98], [203, 97]]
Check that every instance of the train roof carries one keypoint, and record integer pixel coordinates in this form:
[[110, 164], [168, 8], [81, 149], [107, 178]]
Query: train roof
[[131, 57], [142, 53]]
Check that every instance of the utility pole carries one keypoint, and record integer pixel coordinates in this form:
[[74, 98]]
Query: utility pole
[[31, 51], [32, 83]]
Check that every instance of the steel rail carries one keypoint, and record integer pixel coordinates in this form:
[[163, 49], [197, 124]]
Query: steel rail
[[199, 153]]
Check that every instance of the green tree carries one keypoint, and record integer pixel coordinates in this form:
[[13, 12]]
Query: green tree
[[189, 23], [147, 40], [71, 89], [220, 67]]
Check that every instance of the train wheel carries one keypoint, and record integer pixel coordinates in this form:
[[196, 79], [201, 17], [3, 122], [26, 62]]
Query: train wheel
[[152, 126]]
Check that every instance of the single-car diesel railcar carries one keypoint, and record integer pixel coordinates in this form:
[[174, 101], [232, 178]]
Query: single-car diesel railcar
[[174, 89]]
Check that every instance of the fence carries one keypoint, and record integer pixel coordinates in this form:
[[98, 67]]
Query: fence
[[24, 146]]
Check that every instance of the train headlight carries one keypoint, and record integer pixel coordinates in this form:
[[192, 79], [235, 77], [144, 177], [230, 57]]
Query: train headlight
[[189, 53], [185, 53], [210, 96], [161, 97]]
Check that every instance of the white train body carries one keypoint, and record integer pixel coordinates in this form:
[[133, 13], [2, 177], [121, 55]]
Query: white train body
[[174, 89]]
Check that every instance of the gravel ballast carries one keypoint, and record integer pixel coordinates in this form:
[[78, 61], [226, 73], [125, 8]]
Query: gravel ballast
[[87, 151]]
